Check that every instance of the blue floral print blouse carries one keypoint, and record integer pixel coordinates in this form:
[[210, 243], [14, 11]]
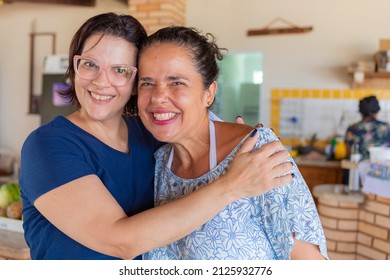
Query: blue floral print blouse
[[257, 228]]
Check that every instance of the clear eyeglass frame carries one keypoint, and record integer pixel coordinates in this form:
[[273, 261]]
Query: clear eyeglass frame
[[111, 71]]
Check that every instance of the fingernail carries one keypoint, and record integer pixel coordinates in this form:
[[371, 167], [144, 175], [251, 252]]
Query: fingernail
[[238, 117], [259, 125], [253, 133]]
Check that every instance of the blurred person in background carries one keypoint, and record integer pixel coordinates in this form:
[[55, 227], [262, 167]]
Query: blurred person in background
[[369, 131]]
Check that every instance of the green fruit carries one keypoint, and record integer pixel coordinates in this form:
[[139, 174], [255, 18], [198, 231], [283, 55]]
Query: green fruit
[[9, 192], [15, 191]]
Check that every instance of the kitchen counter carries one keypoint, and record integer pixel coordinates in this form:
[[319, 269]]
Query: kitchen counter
[[302, 161], [13, 246], [337, 193]]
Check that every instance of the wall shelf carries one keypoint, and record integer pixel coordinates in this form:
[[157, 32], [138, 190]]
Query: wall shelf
[[373, 80]]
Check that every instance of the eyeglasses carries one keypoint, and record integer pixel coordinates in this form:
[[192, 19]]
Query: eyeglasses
[[118, 75]]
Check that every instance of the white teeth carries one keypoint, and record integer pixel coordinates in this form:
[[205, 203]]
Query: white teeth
[[164, 117], [100, 97]]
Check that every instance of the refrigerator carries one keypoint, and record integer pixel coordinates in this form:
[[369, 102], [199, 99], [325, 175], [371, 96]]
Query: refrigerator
[[52, 103]]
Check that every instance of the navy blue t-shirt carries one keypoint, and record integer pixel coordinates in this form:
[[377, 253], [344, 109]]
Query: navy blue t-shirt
[[59, 152]]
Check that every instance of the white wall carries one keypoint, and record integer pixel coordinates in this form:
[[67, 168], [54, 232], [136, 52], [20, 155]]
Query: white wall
[[344, 31]]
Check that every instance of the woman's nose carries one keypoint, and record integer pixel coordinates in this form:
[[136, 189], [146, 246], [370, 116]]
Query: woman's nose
[[159, 94], [102, 79]]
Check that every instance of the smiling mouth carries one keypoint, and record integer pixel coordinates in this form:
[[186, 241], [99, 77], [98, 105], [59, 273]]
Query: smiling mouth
[[164, 116], [101, 97]]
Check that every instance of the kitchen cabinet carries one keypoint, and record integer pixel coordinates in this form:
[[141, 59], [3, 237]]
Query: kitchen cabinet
[[317, 172]]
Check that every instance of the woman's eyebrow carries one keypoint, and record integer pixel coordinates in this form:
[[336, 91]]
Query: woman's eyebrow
[[177, 77], [169, 78], [146, 79]]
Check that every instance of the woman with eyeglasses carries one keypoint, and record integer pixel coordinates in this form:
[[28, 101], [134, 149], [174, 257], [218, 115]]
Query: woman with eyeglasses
[[87, 179]]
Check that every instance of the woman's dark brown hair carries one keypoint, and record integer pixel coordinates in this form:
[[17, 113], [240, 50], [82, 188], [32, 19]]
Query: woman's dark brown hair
[[203, 49]]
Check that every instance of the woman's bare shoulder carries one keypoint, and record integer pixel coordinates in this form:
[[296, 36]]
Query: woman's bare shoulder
[[230, 134]]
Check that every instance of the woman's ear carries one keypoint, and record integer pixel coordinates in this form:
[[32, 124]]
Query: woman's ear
[[210, 93]]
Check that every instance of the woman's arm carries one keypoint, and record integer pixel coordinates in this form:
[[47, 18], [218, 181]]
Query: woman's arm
[[305, 251], [86, 211]]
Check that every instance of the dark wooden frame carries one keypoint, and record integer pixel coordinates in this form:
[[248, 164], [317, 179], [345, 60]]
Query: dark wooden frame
[[34, 100], [289, 29], [90, 3]]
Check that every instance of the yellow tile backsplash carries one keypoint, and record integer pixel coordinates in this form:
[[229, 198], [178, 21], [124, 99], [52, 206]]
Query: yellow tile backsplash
[[278, 94]]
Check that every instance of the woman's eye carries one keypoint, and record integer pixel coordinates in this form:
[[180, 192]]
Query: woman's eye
[[90, 64], [123, 70], [145, 84]]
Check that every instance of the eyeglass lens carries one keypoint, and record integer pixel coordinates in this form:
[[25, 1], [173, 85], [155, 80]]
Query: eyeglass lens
[[118, 75]]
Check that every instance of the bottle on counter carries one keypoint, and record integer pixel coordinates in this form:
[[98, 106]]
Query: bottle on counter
[[354, 177], [340, 150], [330, 149]]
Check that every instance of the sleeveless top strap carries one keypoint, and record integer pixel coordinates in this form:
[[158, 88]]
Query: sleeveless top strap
[[213, 148]]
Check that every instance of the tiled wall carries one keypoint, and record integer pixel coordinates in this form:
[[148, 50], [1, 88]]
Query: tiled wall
[[154, 14], [357, 231], [299, 113]]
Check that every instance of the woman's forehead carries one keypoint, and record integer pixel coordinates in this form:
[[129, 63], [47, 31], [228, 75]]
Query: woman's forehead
[[110, 48]]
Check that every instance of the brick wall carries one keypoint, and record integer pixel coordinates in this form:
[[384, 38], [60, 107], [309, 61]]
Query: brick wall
[[357, 231], [154, 14], [374, 229]]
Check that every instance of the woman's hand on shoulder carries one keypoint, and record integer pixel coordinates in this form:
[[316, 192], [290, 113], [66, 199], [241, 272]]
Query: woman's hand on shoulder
[[255, 172]]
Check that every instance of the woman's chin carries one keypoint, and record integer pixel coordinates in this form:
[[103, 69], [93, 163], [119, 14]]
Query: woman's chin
[[163, 137]]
